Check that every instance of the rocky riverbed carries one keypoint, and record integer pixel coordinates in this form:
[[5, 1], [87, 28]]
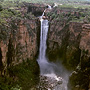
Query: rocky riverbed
[[50, 82]]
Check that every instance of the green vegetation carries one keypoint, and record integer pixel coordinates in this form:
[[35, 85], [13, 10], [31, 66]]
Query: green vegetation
[[26, 76], [17, 87], [8, 14], [70, 14], [7, 18], [75, 3], [5, 14], [21, 77], [5, 83]]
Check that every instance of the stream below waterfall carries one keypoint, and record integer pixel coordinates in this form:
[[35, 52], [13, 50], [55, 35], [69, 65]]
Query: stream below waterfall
[[53, 76]]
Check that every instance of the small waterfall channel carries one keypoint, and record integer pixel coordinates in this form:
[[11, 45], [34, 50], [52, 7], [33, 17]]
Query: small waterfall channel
[[50, 79]]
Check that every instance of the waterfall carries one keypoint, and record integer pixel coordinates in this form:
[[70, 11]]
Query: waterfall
[[49, 7], [43, 14], [47, 68], [43, 38], [42, 60]]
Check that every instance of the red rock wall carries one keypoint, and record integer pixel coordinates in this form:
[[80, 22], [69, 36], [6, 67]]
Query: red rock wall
[[22, 42], [69, 42]]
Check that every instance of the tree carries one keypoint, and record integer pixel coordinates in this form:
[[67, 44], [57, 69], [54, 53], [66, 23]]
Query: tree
[[1, 0], [0, 8], [10, 53], [1, 64]]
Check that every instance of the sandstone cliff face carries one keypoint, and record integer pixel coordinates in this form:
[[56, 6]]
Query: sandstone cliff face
[[66, 40], [80, 78], [85, 45], [21, 44], [69, 41], [63, 40]]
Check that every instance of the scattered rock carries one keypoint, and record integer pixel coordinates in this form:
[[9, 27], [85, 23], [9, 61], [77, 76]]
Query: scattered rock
[[49, 82]]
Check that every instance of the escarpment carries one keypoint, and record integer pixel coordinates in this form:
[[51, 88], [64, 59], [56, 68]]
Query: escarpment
[[68, 41], [21, 42], [19, 38], [80, 78], [64, 37], [64, 42], [85, 46]]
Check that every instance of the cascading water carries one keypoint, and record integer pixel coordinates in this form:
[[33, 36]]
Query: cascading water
[[49, 7], [46, 68], [43, 37]]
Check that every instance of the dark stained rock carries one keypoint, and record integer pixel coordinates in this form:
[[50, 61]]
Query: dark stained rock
[[36, 9]]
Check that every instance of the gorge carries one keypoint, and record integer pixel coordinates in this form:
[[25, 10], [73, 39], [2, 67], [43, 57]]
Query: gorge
[[62, 47]]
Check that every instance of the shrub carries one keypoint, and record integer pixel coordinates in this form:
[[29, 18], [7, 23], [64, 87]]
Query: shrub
[[26, 74], [0, 8]]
